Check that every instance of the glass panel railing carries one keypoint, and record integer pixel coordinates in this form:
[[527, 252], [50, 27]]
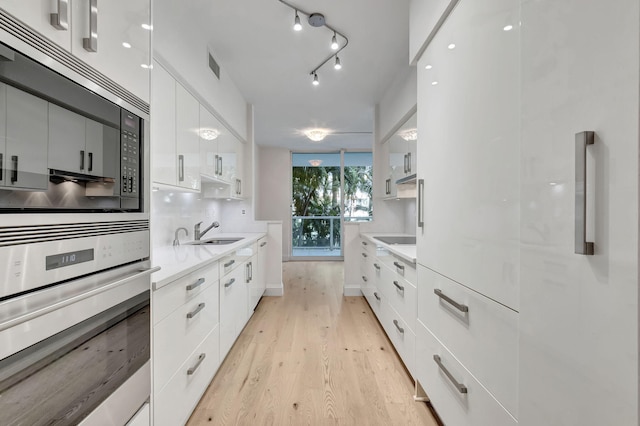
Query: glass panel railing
[[316, 236]]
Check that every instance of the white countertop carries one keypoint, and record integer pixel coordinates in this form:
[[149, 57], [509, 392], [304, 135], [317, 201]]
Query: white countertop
[[404, 251], [178, 261]]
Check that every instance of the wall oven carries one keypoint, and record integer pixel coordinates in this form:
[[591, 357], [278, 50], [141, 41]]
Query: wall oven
[[74, 239]]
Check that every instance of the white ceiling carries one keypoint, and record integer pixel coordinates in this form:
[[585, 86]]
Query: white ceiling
[[254, 41]]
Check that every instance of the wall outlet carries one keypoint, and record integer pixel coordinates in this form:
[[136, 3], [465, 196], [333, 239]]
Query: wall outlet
[[244, 212]]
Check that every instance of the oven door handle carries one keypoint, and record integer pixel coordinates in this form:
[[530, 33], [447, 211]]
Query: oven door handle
[[74, 299]]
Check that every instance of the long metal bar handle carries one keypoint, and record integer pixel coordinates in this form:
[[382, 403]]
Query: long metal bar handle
[[250, 271], [582, 246], [180, 168], [262, 244], [364, 279], [90, 43], [375, 265], [196, 284], [229, 263], [409, 162], [461, 388], [81, 160], [60, 20], [458, 306], [74, 299], [400, 329], [196, 310], [90, 162], [215, 171], [364, 243], [193, 369], [375, 293], [220, 167], [399, 265], [14, 170], [364, 255], [398, 286], [420, 203], [1, 166], [228, 284]]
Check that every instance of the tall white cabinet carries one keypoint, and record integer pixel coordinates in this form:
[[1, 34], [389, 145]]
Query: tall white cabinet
[[513, 326]]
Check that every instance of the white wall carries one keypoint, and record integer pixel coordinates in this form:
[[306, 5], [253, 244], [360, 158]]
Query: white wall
[[273, 190], [179, 44], [396, 104], [425, 17]]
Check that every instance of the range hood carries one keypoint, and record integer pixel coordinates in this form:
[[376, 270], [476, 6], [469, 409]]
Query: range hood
[[58, 176], [407, 179]]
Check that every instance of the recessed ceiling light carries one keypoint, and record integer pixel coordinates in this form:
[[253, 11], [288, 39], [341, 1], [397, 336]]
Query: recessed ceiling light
[[434, 83], [126, 45], [209, 134], [428, 67], [410, 135], [147, 27], [451, 46], [508, 27], [146, 66]]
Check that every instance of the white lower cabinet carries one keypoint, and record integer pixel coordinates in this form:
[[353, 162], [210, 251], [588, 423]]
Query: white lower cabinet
[[175, 403], [142, 417], [402, 337], [456, 395]]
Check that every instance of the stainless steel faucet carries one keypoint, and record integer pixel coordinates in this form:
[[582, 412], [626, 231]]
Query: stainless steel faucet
[[197, 234], [176, 241]]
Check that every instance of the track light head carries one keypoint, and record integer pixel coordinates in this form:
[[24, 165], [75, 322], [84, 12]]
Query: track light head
[[315, 79], [337, 65], [334, 42], [297, 26]]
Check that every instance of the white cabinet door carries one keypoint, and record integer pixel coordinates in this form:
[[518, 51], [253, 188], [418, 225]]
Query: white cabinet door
[[469, 157], [37, 15], [210, 131], [579, 314], [163, 126], [122, 45], [94, 146], [233, 302], [26, 133], [239, 180], [259, 281], [187, 138], [228, 147]]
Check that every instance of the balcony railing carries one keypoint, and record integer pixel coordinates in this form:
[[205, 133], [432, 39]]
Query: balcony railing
[[316, 235]]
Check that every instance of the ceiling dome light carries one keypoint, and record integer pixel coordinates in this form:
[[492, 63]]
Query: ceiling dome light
[[508, 27], [297, 26], [316, 135], [337, 65], [315, 81], [126, 45], [428, 67], [334, 42], [315, 163], [410, 135], [451, 46], [209, 134]]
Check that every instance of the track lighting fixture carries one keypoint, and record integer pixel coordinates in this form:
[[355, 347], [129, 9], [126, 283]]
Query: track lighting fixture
[[297, 26], [318, 20]]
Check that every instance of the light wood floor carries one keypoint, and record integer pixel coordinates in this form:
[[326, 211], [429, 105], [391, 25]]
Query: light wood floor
[[312, 357]]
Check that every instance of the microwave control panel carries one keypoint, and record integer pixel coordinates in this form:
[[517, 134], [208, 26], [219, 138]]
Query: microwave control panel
[[130, 155]]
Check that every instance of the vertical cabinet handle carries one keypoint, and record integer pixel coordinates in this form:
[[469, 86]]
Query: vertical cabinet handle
[[405, 164], [196, 284], [60, 20], [215, 169], [1, 167], [81, 160], [220, 165], [180, 168], [195, 367], [461, 388], [582, 246], [408, 162], [196, 310], [421, 203], [14, 170], [90, 43], [90, 161]]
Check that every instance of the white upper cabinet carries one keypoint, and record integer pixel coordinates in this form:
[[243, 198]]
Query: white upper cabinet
[[187, 138], [469, 157], [402, 148], [108, 35], [163, 126], [37, 15]]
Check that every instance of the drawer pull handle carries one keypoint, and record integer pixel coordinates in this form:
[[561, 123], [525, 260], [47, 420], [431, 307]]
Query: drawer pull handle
[[231, 281], [364, 279], [195, 312], [196, 284], [375, 293], [398, 265], [400, 329], [364, 254], [458, 306], [364, 243], [461, 388], [375, 265], [195, 367], [582, 246], [398, 286], [229, 263], [262, 244]]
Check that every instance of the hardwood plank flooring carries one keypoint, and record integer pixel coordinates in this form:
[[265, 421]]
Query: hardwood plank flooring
[[312, 357]]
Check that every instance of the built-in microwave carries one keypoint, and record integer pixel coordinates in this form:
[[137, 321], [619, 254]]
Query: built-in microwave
[[64, 148]]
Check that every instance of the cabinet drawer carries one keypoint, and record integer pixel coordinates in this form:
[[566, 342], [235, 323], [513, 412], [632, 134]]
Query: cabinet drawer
[[170, 297], [476, 407], [375, 298], [233, 307], [401, 294], [235, 259], [175, 403], [403, 339], [403, 268], [177, 335], [484, 339]]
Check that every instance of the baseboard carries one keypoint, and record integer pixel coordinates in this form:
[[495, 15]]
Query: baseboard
[[352, 291], [274, 291]]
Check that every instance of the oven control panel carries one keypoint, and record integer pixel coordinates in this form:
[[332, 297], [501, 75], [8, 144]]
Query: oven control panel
[[130, 155]]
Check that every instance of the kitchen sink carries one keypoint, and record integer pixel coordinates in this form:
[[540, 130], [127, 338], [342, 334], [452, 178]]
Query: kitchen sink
[[217, 241], [397, 240]]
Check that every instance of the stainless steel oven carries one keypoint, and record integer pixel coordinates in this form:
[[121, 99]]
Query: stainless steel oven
[[74, 238]]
